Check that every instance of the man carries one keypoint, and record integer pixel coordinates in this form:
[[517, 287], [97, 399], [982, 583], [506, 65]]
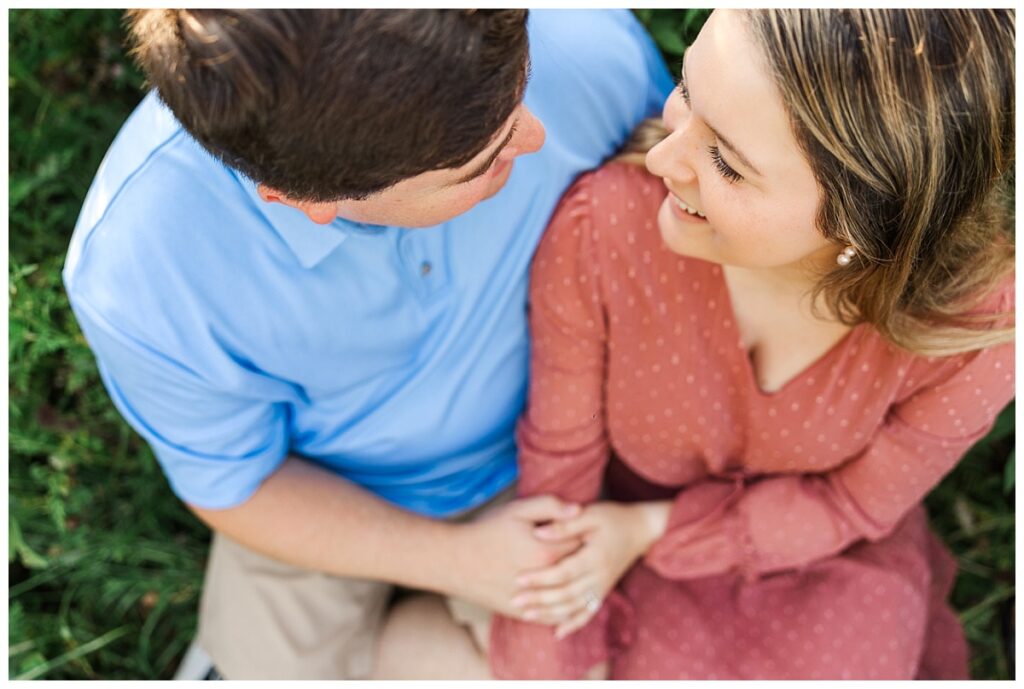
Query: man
[[324, 386]]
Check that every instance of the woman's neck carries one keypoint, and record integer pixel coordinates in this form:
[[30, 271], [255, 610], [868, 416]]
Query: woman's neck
[[788, 284], [792, 283]]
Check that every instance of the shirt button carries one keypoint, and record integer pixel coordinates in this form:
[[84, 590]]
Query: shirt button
[[425, 268]]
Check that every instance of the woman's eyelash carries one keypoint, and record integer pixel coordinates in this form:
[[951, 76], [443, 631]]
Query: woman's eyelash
[[722, 166], [681, 87], [716, 155]]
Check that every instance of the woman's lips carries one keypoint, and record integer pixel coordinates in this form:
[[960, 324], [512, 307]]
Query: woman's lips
[[683, 211]]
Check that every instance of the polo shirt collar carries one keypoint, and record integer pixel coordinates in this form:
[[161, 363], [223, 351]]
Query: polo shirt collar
[[310, 242]]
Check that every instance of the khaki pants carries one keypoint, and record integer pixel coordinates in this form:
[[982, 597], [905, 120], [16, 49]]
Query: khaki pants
[[260, 618]]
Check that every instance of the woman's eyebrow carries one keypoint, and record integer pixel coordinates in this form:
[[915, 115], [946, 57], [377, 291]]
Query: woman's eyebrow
[[724, 141]]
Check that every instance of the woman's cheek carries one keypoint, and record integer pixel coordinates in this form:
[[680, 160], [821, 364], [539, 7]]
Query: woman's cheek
[[718, 203], [739, 226]]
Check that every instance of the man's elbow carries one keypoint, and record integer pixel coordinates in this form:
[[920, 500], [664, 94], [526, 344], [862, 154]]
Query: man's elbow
[[216, 519]]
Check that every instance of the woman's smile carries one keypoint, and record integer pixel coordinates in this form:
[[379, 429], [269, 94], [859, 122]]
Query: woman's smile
[[683, 211]]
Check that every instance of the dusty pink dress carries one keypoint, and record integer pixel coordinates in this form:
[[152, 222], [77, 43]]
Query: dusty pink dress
[[797, 545]]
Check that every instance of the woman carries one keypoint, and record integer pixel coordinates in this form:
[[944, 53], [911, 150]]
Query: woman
[[770, 365]]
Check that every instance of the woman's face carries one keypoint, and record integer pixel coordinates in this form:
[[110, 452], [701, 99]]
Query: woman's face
[[732, 158]]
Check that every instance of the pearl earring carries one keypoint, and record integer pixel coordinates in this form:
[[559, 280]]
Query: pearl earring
[[846, 256]]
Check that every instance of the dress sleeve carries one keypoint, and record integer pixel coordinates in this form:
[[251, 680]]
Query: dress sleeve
[[563, 448], [782, 522]]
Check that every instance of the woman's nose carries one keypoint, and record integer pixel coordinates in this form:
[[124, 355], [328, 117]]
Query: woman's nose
[[670, 158]]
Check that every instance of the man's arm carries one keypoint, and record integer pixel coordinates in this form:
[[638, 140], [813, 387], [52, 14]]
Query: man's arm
[[223, 450], [313, 519]]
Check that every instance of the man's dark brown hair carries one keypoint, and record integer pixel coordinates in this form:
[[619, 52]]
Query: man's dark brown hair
[[325, 105]]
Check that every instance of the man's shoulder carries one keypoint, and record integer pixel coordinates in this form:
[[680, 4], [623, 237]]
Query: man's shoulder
[[600, 50], [159, 214], [155, 180], [596, 74], [152, 163], [582, 28]]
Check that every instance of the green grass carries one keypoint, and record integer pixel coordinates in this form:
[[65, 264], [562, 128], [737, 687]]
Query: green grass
[[105, 564]]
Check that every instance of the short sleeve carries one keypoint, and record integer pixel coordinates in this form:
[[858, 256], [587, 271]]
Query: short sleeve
[[214, 446]]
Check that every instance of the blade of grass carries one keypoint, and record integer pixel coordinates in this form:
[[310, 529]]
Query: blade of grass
[[84, 649], [172, 655], [968, 615]]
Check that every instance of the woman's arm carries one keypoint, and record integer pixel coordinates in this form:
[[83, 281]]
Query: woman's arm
[[788, 521], [780, 522], [563, 448]]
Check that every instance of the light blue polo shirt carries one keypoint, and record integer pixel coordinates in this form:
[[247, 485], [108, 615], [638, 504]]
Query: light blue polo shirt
[[230, 332]]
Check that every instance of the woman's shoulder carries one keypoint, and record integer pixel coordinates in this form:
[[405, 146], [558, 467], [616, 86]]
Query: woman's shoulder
[[617, 183], [991, 307], [994, 309], [1000, 299], [616, 203]]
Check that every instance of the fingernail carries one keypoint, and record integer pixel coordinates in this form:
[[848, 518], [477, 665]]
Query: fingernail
[[559, 635], [570, 510], [519, 601], [529, 615], [542, 532]]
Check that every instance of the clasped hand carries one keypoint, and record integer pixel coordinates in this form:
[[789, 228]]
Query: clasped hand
[[547, 561], [605, 538]]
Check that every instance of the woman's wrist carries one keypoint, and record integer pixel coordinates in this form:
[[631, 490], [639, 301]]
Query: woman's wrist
[[652, 521]]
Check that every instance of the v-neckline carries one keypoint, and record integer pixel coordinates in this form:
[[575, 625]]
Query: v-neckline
[[748, 366]]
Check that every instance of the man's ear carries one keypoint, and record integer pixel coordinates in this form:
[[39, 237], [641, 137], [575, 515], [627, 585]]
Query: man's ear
[[320, 213]]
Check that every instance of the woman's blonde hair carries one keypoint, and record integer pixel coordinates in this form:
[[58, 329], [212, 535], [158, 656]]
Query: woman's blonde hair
[[907, 120]]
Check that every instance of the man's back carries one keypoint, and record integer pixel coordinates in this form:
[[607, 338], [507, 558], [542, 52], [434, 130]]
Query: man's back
[[231, 332]]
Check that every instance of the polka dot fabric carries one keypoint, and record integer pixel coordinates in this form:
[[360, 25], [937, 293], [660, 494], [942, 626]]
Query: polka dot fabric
[[797, 547]]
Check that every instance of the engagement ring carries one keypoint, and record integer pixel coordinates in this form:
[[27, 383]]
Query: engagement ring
[[593, 603]]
